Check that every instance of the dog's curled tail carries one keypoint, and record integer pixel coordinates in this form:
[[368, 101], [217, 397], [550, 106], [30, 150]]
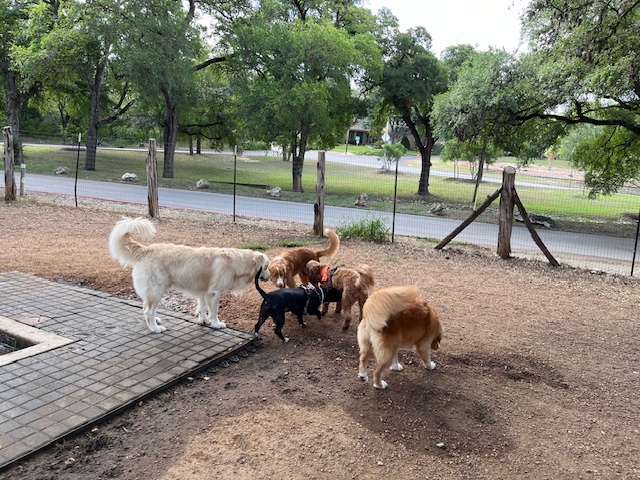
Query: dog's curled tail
[[366, 281], [260, 290], [334, 245], [385, 303], [122, 247]]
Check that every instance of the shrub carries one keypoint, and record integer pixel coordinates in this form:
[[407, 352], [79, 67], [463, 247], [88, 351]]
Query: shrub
[[370, 230]]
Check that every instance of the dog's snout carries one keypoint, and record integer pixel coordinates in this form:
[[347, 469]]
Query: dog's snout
[[280, 283]]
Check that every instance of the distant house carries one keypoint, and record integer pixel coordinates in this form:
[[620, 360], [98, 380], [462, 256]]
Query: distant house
[[360, 131]]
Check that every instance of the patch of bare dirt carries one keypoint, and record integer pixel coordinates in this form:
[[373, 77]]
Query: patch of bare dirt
[[537, 375]]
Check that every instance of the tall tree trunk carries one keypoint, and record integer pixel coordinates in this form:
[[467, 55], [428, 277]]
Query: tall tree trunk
[[95, 86], [64, 120], [425, 148], [199, 145], [170, 135], [482, 161], [480, 171], [298, 160], [13, 100]]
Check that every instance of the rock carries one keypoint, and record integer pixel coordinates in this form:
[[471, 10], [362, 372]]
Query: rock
[[543, 220], [202, 184], [275, 192], [61, 170], [130, 177], [438, 209], [361, 200]]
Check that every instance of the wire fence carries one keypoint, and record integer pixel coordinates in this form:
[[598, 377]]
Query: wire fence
[[595, 233]]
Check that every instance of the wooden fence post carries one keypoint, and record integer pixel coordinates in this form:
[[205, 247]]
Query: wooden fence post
[[9, 166], [318, 207], [152, 179], [507, 202]]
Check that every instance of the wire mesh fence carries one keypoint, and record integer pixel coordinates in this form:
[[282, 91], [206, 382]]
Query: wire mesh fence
[[596, 233]]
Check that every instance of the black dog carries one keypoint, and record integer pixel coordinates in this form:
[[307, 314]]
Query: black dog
[[304, 300]]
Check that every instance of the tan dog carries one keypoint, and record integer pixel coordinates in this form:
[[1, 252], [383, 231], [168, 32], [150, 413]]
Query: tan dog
[[355, 285], [397, 318], [289, 263], [201, 272]]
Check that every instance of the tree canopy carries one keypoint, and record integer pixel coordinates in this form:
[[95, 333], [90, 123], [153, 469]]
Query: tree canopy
[[584, 68], [297, 66], [411, 77], [299, 73]]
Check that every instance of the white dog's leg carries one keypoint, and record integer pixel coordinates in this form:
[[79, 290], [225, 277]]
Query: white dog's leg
[[212, 302], [149, 312], [201, 311]]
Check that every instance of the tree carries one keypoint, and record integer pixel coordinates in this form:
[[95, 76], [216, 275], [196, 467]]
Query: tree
[[14, 33], [475, 110], [410, 79], [160, 53], [584, 68], [392, 153], [297, 65]]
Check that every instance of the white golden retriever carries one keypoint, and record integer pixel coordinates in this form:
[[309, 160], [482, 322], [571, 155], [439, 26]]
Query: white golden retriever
[[201, 272]]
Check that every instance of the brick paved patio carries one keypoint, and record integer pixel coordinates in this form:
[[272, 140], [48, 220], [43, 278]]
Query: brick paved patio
[[96, 357]]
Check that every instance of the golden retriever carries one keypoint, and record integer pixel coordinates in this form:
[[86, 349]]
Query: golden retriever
[[355, 285], [395, 318], [289, 263], [201, 272]]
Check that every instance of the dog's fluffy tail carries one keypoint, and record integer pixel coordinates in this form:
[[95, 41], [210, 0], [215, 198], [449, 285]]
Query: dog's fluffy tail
[[366, 281], [122, 247], [385, 303], [334, 245], [260, 290]]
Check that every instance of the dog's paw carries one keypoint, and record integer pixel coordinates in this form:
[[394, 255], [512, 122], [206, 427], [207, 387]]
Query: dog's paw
[[286, 339], [383, 385], [157, 329], [396, 367], [363, 376], [431, 365], [218, 325]]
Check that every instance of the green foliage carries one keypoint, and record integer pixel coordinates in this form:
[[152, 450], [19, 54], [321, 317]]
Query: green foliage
[[583, 69], [254, 246], [391, 154], [371, 230], [295, 89], [609, 160], [410, 79], [292, 243]]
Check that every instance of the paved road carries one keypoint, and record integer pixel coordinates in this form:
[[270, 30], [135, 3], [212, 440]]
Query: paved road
[[610, 254]]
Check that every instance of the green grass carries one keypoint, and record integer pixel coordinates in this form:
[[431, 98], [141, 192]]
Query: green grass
[[368, 229], [342, 182], [292, 243], [254, 246]]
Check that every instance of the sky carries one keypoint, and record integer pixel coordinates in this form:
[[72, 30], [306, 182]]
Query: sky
[[481, 23]]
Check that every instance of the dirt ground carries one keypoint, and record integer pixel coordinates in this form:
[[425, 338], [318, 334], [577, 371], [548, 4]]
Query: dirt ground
[[537, 376]]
